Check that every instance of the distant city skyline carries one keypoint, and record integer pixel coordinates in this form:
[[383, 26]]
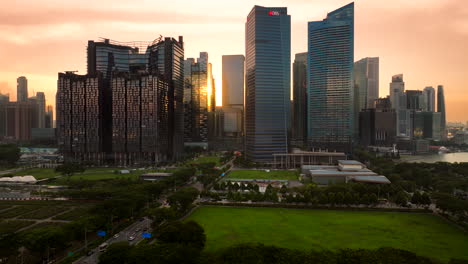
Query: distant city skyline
[[427, 49]]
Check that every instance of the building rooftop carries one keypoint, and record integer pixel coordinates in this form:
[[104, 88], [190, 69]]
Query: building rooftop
[[371, 179], [350, 162]]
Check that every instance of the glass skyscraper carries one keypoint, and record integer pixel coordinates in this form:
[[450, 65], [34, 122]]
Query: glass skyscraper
[[299, 120], [268, 82], [330, 111], [366, 81], [441, 110]]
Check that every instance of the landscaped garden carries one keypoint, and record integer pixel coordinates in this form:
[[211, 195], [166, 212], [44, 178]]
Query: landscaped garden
[[424, 234]]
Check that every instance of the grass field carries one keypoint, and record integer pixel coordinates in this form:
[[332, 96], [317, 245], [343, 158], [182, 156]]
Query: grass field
[[423, 234], [207, 159], [262, 174], [44, 212], [38, 173], [13, 225]]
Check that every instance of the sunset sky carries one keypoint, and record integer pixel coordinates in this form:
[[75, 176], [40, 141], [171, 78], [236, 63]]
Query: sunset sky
[[426, 40]]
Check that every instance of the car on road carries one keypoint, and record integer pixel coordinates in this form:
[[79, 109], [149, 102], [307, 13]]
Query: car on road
[[90, 253], [138, 230], [116, 235], [142, 219], [103, 247], [131, 238]]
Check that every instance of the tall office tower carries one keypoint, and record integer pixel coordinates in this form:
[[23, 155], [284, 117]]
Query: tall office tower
[[299, 111], [197, 116], [140, 119], [41, 108], [268, 82], [366, 82], [80, 122], [211, 89], [166, 60], [106, 56], [397, 88], [426, 125], [330, 98], [377, 125], [429, 95], [233, 95], [398, 100], [188, 99], [441, 110], [49, 117], [21, 117], [4, 100], [415, 100], [233, 80], [21, 89], [162, 58]]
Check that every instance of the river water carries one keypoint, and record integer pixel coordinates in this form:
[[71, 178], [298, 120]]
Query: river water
[[447, 157]]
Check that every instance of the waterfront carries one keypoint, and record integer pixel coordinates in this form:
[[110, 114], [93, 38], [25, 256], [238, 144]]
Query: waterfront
[[446, 157]]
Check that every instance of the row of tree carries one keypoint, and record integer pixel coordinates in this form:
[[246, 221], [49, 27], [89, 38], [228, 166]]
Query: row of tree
[[120, 200]]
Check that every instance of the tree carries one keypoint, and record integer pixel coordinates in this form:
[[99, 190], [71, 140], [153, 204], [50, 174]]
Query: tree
[[416, 198], [401, 198], [9, 154], [339, 198], [365, 199], [41, 239], [70, 168], [116, 253], [189, 233], [373, 198], [425, 199], [9, 244], [183, 198]]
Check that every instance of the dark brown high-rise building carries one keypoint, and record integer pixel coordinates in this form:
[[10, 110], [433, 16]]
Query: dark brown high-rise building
[[79, 116], [377, 126], [138, 100], [20, 117]]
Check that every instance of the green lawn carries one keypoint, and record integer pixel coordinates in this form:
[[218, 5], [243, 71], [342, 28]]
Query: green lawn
[[262, 174], [424, 234], [207, 159], [38, 173]]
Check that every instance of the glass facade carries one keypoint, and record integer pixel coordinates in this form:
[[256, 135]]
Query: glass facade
[[79, 120], [330, 111], [267, 82], [199, 102], [441, 110], [299, 116], [233, 80], [429, 95], [366, 81], [129, 107], [21, 89]]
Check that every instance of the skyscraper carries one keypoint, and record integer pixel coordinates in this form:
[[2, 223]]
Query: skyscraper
[[80, 122], [120, 100], [21, 89], [299, 115], [49, 117], [441, 110], [233, 95], [429, 94], [268, 77], [330, 111], [41, 108], [198, 82], [397, 88], [233, 80], [366, 80]]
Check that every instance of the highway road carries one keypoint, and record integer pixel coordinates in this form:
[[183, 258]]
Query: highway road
[[135, 230]]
